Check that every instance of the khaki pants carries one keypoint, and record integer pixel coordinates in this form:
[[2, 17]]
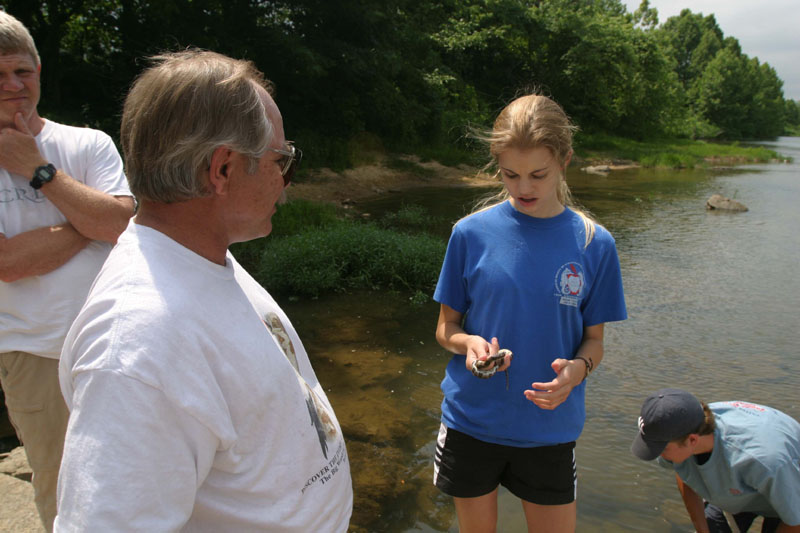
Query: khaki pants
[[39, 415]]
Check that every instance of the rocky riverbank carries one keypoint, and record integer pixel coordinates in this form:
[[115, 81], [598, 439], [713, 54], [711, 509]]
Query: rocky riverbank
[[17, 511]]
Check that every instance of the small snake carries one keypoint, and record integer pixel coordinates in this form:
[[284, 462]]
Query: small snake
[[479, 367]]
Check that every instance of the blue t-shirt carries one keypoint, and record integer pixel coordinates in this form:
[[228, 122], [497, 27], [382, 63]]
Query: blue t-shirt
[[531, 283], [755, 463]]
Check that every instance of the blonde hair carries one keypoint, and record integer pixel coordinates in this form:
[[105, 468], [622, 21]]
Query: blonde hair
[[15, 38], [534, 121], [179, 111]]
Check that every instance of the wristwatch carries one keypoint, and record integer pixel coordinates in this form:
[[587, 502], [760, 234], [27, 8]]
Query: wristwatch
[[43, 174]]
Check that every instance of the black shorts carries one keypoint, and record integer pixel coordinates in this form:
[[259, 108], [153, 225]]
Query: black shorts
[[465, 467]]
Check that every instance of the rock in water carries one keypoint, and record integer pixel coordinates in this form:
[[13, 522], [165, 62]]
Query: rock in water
[[601, 170], [717, 201]]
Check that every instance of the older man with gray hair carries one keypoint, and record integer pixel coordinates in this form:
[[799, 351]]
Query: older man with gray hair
[[193, 403], [63, 203]]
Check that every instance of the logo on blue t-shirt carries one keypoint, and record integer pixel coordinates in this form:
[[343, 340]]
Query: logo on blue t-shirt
[[570, 282]]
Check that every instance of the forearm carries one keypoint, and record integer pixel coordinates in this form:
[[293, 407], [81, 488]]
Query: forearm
[[94, 214], [452, 337], [39, 251], [786, 528], [694, 506], [591, 349]]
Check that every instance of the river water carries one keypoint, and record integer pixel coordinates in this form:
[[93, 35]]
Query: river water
[[713, 308]]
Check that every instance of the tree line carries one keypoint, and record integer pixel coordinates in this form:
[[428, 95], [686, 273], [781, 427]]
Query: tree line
[[406, 74]]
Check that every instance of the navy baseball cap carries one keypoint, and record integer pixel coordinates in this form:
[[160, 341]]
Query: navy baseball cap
[[667, 415]]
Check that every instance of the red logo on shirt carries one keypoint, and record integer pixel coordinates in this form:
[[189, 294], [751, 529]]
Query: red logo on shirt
[[745, 405]]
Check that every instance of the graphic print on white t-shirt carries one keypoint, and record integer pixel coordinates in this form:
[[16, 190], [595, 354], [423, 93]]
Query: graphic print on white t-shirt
[[317, 411]]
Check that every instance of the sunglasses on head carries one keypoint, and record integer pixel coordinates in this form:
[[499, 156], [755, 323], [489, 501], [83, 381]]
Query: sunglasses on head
[[289, 162]]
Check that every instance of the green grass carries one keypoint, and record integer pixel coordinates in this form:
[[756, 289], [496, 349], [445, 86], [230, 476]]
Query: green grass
[[291, 218], [673, 153], [314, 250], [410, 218], [350, 255]]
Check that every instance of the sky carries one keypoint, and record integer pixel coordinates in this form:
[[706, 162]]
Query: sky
[[766, 29]]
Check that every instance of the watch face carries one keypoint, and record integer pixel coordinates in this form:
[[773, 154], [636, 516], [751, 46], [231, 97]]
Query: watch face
[[42, 175], [45, 173]]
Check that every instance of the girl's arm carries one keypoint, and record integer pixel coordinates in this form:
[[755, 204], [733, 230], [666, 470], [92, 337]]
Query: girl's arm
[[569, 372], [453, 338]]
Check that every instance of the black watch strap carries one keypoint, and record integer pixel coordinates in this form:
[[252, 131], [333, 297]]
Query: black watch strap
[[43, 174]]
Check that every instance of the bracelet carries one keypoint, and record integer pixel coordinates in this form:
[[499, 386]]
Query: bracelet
[[589, 365]]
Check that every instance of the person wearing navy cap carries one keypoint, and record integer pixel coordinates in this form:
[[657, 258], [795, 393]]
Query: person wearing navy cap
[[734, 456]]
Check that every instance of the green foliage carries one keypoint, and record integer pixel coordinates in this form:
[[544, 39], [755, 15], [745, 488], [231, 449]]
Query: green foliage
[[674, 153], [355, 79], [313, 250], [731, 96], [410, 218], [350, 255], [291, 218]]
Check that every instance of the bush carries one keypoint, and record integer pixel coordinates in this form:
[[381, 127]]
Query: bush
[[410, 218], [291, 218], [350, 255]]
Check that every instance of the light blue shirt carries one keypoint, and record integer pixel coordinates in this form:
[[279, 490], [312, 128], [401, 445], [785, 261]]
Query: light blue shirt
[[755, 464]]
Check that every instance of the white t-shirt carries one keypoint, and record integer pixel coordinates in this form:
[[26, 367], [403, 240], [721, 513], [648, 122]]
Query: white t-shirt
[[35, 312], [194, 406]]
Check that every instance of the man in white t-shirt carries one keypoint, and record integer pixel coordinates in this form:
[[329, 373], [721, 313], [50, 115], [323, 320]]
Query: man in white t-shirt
[[193, 403], [63, 203]]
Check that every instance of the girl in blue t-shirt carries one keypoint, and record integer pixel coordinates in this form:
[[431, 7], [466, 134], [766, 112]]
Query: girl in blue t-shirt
[[533, 275]]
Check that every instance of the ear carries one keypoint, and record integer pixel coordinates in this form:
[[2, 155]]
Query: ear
[[219, 169], [567, 160]]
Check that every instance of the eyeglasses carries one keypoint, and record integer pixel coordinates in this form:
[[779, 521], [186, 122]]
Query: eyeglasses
[[291, 159]]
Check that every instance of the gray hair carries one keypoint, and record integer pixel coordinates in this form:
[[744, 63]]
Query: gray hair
[[179, 111], [15, 38]]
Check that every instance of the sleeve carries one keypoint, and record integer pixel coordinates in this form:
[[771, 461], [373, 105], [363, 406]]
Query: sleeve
[[451, 289], [606, 299], [104, 169], [781, 488], [132, 460]]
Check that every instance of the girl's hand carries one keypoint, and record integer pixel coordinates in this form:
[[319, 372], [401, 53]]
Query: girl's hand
[[479, 349], [552, 394]]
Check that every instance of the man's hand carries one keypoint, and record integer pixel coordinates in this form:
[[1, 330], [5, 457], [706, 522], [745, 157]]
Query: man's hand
[[19, 153]]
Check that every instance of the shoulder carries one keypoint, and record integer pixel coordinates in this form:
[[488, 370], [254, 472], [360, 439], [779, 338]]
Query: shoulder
[[602, 241], [75, 136], [491, 215]]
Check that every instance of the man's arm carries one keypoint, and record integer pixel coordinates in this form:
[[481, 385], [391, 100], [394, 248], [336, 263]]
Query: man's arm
[[133, 460], [694, 506], [94, 214], [39, 251]]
